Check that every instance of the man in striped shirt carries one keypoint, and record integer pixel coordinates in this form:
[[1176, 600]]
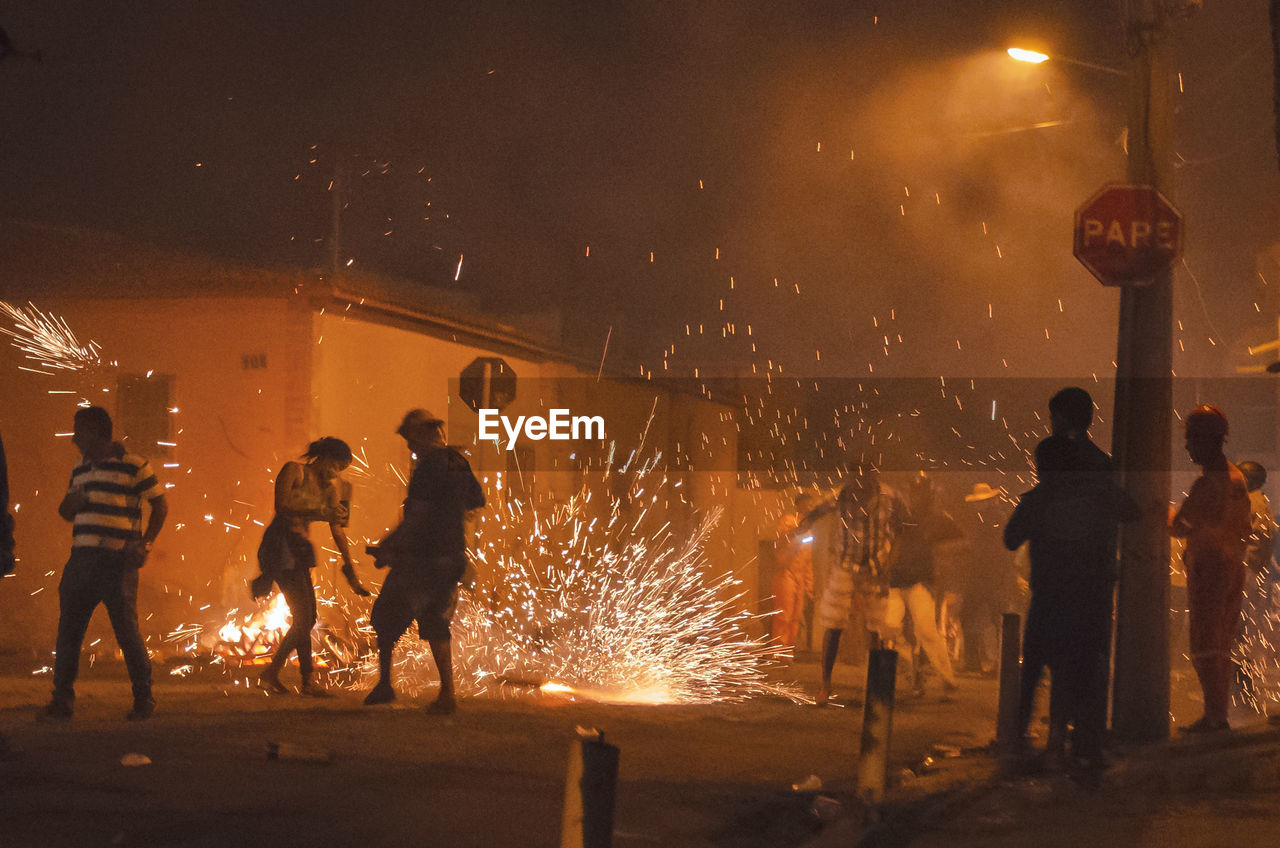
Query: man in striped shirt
[[108, 546]]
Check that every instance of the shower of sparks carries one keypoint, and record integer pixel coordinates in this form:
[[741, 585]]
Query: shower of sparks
[[1257, 652], [47, 340], [602, 599]]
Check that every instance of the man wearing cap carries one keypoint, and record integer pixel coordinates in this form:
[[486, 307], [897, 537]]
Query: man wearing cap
[[426, 554], [1214, 519]]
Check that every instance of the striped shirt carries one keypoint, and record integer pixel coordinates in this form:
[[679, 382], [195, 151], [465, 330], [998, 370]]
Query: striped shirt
[[115, 487]]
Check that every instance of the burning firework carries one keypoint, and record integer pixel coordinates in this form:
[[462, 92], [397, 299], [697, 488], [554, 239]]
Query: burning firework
[[48, 341], [598, 598], [603, 599]]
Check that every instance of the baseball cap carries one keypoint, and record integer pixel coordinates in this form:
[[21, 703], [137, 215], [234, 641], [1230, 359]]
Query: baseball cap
[[416, 418]]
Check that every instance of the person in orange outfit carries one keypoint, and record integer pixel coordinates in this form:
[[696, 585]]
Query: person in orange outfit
[[792, 576], [1215, 521]]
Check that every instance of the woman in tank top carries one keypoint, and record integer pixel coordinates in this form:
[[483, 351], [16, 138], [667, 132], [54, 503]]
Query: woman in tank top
[[305, 492]]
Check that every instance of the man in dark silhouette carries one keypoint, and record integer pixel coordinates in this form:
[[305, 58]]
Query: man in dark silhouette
[[915, 577], [1071, 415], [1070, 520], [427, 556]]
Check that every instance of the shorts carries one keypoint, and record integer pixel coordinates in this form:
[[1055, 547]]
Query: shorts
[[422, 592], [1215, 594], [847, 592]]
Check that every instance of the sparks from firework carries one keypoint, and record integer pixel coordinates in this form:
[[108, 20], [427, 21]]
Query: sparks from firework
[[1257, 651], [600, 598], [47, 340]]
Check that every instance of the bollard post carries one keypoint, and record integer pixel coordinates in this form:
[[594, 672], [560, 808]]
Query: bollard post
[[590, 788], [877, 724], [1010, 681]]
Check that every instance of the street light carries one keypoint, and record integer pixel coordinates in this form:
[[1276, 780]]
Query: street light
[[1142, 418], [1035, 57], [1031, 56]]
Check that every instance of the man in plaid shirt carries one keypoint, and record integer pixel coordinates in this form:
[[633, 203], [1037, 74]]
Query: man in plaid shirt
[[871, 518]]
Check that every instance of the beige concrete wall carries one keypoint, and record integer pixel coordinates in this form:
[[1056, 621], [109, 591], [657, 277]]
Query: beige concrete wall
[[254, 380], [366, 376], [233, 426]]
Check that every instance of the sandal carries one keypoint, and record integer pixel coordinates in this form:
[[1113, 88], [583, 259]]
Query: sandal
[[313, 691], [270, 680]]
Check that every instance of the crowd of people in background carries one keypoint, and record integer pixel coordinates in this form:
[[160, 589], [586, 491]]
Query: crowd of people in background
[[896, 561]]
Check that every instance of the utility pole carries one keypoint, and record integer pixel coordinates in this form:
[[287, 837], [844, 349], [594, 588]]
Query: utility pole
[[1143, 420]]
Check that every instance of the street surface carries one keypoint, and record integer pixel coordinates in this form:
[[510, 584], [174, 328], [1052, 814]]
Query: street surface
[[492, 775]]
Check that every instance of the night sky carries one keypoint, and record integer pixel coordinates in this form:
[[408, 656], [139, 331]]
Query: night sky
[[837, 173]]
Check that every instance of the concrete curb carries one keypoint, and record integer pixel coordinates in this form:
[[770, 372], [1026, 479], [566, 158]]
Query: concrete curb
[[1245, 760]]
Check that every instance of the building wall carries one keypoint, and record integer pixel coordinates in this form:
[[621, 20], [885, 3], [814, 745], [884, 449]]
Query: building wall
[[366, 376], [234, 365], [252, 381]]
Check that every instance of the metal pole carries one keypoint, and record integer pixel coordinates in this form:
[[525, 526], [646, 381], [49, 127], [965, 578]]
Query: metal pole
[[877, 724], [1010, 681], [1142, 428], [591, 787]]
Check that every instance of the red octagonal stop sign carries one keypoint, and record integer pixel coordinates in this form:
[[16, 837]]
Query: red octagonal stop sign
[[1126, 234]]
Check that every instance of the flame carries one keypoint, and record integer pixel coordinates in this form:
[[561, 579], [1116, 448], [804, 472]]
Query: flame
[[258, 635]]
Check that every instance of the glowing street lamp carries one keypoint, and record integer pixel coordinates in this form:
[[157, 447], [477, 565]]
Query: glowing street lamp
[[1031, 56], [1142, 419], [1035, 57]]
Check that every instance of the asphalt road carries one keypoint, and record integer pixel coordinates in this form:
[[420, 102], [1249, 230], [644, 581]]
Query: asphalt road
[[492, 775]]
